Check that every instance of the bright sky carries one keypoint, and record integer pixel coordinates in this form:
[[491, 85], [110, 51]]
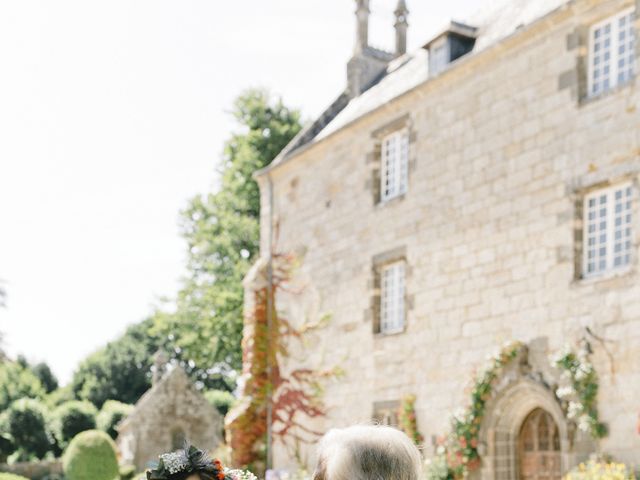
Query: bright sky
[[113, 114]]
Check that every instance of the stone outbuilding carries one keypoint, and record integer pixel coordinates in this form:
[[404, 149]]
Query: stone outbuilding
[[172, 411]]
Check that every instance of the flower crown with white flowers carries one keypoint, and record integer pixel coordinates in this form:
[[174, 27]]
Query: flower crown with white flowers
[[190, 460]]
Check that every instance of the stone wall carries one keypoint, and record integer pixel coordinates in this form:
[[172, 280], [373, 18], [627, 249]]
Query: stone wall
[[169, 414], [34, 470], [505, 145]]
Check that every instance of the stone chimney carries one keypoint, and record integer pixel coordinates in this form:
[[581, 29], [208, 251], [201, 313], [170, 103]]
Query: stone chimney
[[401, 27], [362, 27], [367, 64]]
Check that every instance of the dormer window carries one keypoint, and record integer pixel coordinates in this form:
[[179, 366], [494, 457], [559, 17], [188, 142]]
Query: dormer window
[[457, 40]]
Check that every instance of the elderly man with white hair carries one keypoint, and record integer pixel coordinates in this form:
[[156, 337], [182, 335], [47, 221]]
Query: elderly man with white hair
[[365, 452]]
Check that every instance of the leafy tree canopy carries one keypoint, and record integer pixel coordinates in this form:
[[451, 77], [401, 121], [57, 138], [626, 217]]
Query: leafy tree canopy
[[222, 233], [18, 381], [120, 370], [203, 332], [46, 376]]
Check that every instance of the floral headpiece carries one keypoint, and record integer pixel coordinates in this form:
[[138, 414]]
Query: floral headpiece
[[181, 464]]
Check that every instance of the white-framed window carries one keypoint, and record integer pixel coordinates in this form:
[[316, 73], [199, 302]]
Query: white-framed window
[[607, 229], [395, 165], [392, 308], [612, 52]]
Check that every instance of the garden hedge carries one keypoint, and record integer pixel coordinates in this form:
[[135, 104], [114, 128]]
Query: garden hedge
[[71, 418]]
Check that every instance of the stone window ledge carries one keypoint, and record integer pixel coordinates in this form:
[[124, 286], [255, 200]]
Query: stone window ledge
[[380, 335], [392, 201], [590, 99], [628, 271]]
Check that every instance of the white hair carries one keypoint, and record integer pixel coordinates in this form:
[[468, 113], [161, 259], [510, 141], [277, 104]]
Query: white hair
[[366, 452]]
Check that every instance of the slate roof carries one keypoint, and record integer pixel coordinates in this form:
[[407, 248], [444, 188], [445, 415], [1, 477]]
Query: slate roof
[[497, 20]]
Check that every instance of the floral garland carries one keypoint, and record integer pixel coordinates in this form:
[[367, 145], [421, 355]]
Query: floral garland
[[457, 454], [193, 461], [579, 397], [407, 419], [459, 451]]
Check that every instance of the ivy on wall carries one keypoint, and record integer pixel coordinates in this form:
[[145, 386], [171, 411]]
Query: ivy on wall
[[295, 395], [407, 419]]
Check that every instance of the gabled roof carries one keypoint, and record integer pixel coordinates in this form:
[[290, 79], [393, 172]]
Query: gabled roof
[[176, 378], [498, 19]]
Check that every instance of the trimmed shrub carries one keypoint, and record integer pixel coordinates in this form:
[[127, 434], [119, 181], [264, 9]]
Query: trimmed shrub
[[220, 399], [11, 476], [25, 424], [112, 413], [91, 455], [71, 418]]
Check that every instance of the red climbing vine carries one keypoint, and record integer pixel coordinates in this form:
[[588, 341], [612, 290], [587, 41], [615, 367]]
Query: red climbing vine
[[296, 395]]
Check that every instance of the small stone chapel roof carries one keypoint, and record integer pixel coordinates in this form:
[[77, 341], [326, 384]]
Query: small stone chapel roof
[[176, 376]]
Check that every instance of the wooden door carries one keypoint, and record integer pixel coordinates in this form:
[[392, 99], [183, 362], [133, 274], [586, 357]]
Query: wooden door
[[539, 447]]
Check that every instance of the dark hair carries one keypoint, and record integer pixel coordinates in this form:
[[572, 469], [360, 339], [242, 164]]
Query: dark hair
[[183, 463]]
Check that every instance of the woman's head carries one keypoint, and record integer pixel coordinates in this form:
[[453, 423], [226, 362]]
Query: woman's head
[[366, 452], [187, 464]]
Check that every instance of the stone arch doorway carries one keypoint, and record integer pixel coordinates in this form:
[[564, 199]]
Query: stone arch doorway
[[539, 454], [524, 410]]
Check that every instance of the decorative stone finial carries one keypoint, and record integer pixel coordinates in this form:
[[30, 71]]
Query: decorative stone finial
[[401, 26], [160, 360], [362, 31]]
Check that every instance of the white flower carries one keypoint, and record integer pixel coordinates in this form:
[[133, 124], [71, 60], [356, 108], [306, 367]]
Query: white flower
[[584, 423], [440, 450], [175, 462], [584, 370], [240, 474], [460, 415], [574, 410], [565, 392]]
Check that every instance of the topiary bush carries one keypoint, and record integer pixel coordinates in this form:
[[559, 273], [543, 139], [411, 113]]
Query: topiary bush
[[71, 418], [11, 476], [112, 413], [25, 425], [91, 455]]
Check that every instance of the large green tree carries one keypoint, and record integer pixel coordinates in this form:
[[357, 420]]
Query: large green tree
[[203, 332], [222, 233], [120, 370]]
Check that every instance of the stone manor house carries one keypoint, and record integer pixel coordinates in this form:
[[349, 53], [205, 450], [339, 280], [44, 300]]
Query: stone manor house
[[480, 190]]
